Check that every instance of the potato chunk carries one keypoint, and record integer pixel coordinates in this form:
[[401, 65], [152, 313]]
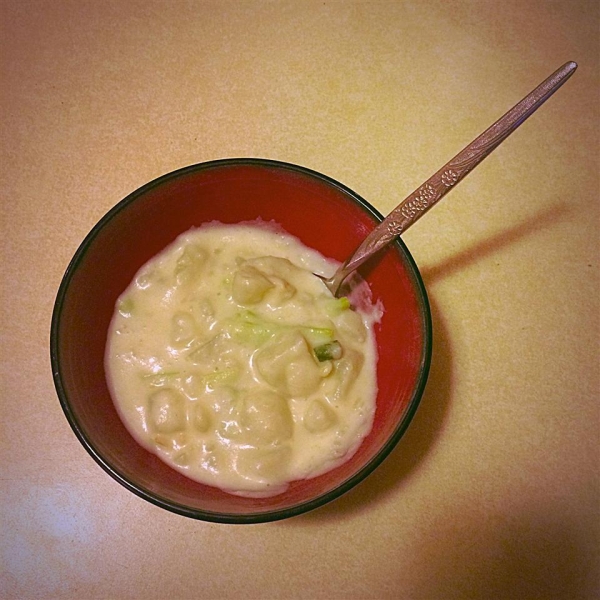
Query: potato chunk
[[210, 354], [288, 364], [275, 265], [203, 313], [319, 416], [183, 329], [270, 464], [191, 263], [250, 285], [351, 324], [266, 418], [303, 375], [346, 372], [166, 411], [202, 420], [281, 273]]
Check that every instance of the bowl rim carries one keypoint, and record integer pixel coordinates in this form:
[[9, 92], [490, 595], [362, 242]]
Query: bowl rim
[[260, 516]]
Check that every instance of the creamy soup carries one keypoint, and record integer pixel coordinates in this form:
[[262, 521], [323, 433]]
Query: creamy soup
[[233, 363]]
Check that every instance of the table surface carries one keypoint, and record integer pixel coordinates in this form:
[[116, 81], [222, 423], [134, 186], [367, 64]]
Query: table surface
[[494, 490]]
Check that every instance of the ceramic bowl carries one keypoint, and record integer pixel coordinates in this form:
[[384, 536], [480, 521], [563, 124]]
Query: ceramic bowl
[[323, 214]]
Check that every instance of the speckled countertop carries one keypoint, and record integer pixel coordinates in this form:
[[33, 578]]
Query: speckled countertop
[[494, 490]]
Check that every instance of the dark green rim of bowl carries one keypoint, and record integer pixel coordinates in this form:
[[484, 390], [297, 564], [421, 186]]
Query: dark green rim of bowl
[[261, 516]]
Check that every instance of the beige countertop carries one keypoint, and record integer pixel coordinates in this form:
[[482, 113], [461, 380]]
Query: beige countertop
[[494, 490]]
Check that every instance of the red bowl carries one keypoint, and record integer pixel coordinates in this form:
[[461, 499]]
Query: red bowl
[[323, 214]]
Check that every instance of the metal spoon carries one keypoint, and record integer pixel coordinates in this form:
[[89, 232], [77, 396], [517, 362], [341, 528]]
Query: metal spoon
[[438, 185]]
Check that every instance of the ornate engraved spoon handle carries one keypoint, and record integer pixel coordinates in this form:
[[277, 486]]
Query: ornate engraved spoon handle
[[427, 195]]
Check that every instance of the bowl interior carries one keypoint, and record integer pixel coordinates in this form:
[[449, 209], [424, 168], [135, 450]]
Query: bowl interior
[[321, 213]]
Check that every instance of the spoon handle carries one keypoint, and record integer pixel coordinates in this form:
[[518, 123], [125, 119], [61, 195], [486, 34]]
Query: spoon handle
[[438, 185]]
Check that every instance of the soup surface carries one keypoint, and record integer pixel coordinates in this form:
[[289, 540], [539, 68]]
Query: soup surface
[[232, 362]]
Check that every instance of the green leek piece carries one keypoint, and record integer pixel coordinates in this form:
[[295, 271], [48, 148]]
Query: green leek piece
[[247, 326], [161, 377], [329, 351], [335, 306], [161, 374], [317, 336], [217, 377]]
